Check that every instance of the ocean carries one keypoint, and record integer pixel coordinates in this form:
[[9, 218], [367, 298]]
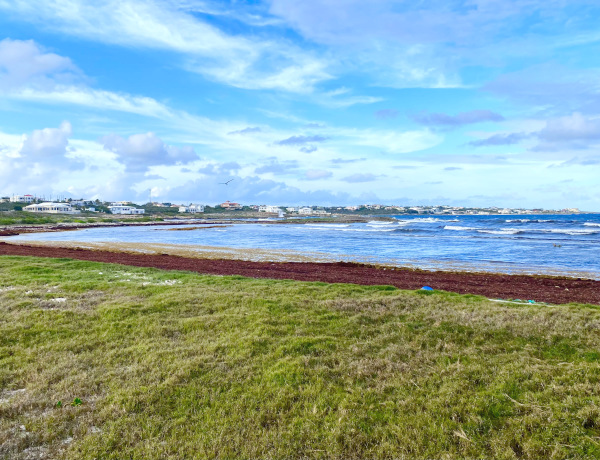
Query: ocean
[[533, 244]]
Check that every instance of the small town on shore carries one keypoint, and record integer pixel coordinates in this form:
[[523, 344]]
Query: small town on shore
[[32, 203]]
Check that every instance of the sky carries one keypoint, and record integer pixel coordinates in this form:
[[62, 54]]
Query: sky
[[329, 102]]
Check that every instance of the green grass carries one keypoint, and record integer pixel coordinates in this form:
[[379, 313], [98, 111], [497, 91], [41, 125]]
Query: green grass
[[150, 364], [31, 218]]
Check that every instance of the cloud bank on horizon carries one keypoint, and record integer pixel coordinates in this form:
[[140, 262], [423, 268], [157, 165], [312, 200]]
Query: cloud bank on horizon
[[470, 102]]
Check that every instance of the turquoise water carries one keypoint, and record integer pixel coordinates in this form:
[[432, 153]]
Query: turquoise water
[[545, 244]]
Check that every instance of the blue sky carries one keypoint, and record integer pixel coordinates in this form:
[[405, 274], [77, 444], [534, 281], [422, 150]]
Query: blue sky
[[481, 102]]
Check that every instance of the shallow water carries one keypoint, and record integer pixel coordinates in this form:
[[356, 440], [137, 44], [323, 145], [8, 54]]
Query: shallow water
[[544, 244]]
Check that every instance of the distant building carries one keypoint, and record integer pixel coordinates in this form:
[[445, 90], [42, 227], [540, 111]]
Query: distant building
[[192, 209], [80, 202], [22, 198], [230, 205], [305, 211], [269, 209], [52, 208], [120, 209]]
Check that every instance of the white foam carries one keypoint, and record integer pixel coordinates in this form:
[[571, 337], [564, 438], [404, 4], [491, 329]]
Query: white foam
[[379, 222], [368, 230], [426, 220], [575, 232], [564, 231], [459, 228], [328, 225], [591, 224], [508, 231]]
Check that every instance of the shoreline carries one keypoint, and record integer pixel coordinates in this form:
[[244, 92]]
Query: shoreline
[[540, 288], [18, 229]]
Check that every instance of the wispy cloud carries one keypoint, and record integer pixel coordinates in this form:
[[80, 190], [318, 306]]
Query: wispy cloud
[[343, 161], [248, 130], [245, 62], [463, 118], [277, 167], [317, 174], [218, 169], [309, 149], [301, 140], [356, 178], [500, 139]]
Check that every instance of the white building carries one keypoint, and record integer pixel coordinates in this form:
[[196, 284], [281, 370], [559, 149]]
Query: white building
[[80, 202], [22, 198], [53, 208], [121, 209], [269, 208], [305, 211], [192, 209]]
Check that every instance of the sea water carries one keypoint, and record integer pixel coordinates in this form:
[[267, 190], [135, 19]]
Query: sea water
[[542, 244]]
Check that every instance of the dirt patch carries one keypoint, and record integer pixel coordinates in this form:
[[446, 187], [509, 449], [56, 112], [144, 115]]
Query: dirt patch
[[539, 288]]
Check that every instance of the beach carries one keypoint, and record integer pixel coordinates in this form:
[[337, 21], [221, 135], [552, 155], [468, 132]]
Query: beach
[[548, 245], [549, 289]]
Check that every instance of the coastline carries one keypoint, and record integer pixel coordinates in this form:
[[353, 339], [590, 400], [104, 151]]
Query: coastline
[[540, 288], [17, 229]]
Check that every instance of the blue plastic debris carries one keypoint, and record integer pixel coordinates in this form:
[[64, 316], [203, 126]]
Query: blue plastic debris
[[426, 288]]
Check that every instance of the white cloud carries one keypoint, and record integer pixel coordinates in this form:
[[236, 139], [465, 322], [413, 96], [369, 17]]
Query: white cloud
[[28, 73], [356, 21], [151, 24], [390, 141], [25, 62], [140, 151], [572, 132], [46, 145], [575, 127], [317, 174], [245, 62], [95, 99], [38, 160]]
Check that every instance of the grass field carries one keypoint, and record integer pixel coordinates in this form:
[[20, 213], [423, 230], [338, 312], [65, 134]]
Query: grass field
[[111, 362]]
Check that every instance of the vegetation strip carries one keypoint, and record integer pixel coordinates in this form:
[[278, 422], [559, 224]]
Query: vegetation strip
[[539, 288], [107, 361]]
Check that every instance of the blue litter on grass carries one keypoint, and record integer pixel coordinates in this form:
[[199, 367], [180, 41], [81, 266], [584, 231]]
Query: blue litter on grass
[[426, 288]]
